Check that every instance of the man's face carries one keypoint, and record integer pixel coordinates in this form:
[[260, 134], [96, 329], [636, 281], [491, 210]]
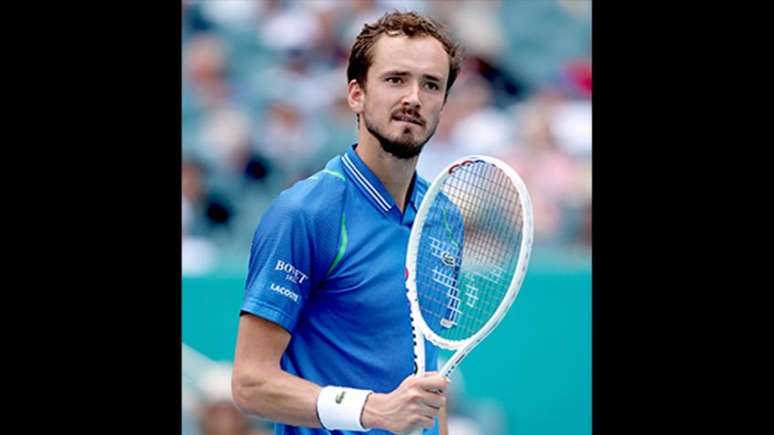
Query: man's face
[[404, 92]]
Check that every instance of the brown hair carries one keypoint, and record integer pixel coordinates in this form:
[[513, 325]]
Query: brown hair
[[398, 23]]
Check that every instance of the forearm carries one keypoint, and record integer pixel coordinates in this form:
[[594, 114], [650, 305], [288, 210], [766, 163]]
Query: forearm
[[442, 421], [260, 387], [278, 396]]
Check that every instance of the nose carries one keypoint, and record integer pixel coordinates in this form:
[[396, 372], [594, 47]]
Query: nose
[[411, 99]]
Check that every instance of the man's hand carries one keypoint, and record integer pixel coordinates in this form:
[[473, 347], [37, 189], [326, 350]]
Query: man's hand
[[414, 404]]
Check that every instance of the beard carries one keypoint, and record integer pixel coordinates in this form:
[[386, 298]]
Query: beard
[[404, 146]]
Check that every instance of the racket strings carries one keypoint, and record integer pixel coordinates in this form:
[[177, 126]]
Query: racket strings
[[476, 307], [482, 242], [479, 213]]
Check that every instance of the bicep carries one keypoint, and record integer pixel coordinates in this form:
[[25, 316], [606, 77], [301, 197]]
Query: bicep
[[260, 386], [260, 344]]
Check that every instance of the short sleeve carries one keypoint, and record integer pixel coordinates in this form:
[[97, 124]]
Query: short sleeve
[[281, 269]]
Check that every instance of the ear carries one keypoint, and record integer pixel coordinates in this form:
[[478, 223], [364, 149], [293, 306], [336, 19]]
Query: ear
[[355, 96]]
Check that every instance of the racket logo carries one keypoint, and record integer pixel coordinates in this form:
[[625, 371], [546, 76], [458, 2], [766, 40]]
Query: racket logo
[[448, 259]]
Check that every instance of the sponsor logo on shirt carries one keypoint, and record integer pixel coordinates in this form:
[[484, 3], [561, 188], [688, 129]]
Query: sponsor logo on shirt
[[293, 275], [284, 291]]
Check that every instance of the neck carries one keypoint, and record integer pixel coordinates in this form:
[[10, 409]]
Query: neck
[[394, 173]]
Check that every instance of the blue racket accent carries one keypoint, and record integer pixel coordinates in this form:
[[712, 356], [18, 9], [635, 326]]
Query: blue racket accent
[[468, 250], [438, 264]]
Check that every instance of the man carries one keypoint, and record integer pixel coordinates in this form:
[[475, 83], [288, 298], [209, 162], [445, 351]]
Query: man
[[325, 340]]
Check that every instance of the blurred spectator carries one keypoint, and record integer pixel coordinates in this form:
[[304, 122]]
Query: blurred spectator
[[232, 14], [290, 27], [263, 86], [483, 128], [204, 68], [202, 213], [559, 180], [507, 88], [290, 139], [203, 209], [571, 124], [193, 20], [577, 74], [327, 49], [257, 168], [225, 139], [483, 35], [463, 129]]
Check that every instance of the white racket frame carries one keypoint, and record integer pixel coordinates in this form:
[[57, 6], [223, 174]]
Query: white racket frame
[[420, 328]]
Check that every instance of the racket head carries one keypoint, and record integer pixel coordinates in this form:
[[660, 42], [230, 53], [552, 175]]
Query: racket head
[[468, 252]]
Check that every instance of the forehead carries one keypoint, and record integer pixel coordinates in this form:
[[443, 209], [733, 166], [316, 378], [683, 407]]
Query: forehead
[[421, 55]]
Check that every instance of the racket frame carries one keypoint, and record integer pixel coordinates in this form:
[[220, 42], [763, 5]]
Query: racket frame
[[420, 328]]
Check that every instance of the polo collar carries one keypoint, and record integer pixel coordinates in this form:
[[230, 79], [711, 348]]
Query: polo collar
[[369, 184]]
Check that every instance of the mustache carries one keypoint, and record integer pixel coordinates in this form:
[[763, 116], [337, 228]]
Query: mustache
[[409, 116]]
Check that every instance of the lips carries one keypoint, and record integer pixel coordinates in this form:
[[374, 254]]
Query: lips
[[408, 118]]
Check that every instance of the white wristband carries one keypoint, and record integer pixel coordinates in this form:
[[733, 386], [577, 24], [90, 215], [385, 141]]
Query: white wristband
[[340, 408]]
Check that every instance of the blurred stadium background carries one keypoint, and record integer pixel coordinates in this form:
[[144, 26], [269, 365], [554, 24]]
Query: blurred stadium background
[[263, 106]]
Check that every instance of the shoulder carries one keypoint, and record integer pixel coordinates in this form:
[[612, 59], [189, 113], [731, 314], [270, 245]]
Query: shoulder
[[313, 200]]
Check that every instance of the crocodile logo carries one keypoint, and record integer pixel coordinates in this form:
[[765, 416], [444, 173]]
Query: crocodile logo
[[448, 259]]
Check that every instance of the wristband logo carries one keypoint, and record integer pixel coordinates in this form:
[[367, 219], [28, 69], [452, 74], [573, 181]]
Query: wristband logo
[[340, 396]]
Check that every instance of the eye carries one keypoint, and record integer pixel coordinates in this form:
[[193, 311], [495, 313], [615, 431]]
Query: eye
[[432, 86], [394, 80]]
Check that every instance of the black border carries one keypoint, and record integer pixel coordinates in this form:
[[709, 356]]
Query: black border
[[106, 350]]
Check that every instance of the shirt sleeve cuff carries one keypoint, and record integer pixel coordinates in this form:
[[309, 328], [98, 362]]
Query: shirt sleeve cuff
[[269, 313]]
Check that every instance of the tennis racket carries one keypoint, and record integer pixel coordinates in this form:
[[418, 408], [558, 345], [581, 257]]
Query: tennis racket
[[467, 256]]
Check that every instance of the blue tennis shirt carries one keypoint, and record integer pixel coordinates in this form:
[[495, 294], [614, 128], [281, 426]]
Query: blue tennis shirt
[[327, 264]]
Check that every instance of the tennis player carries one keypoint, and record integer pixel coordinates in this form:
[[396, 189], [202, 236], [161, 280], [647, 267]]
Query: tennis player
[[325, 340]]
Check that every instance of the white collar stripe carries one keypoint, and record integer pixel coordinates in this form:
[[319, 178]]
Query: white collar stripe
[[364, 181]]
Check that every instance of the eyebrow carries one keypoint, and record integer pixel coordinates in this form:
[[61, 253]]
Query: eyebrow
[[401, 73]]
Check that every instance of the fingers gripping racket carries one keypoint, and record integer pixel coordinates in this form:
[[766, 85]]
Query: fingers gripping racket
[[467, 256]]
